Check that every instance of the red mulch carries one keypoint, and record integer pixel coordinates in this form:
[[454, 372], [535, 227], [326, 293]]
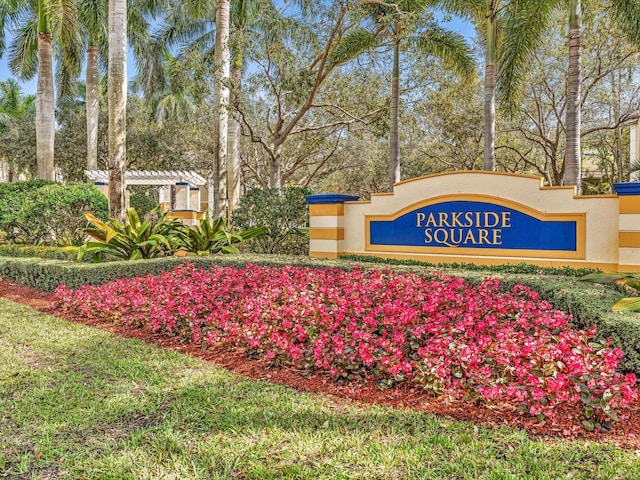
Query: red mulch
[[625, 434]]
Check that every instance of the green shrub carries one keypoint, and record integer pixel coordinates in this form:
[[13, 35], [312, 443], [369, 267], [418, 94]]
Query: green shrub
[[284, 214], [142, 203], [55, 213], [12, 198]]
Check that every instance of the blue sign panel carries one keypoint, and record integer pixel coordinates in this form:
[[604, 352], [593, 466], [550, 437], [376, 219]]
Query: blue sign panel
[[468, 224]]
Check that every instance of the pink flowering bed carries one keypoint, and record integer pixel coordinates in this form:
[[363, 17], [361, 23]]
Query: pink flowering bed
[[440, 332]]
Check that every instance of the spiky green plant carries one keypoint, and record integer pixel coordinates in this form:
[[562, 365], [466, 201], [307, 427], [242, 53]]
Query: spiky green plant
[[215, 236], [132, 239]]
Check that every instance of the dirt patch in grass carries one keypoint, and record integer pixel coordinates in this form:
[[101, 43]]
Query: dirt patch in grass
[[624, 434]]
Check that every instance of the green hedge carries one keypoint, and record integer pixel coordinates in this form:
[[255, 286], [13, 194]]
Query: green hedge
[[12, 250], [511, 268], [589, 304], [47, 274]]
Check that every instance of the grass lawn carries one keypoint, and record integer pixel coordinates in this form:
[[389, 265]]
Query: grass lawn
[[76, 402]]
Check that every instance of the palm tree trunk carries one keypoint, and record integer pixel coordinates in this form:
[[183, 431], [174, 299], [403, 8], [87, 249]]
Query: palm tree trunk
[[394, 141], [117, 86], [45, 106], [233, 166], [490, 97], [573, 174], [93, 107], [221, 95]]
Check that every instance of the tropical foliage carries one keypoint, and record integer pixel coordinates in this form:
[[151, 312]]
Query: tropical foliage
[[215, 236], [157, 234], [131, 238]]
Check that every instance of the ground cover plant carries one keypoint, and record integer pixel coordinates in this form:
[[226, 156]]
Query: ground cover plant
[[79, 402], [438, 332]]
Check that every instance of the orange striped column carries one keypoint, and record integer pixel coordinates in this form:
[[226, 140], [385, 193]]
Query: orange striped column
[[326, 224], [628, 226]]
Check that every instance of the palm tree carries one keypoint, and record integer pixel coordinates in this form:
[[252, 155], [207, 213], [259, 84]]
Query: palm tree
[[485, 14], [526, 25], [14, 108], [221, 98], [45, 99], [403, 21], [173, 101], [117, 98], [37, 28], [93, 15]]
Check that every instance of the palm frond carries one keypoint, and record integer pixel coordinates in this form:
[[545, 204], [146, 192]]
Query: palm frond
[[357, 41], [448, 46], [627, 15], [522, 32], [23, 53], [465, 8]]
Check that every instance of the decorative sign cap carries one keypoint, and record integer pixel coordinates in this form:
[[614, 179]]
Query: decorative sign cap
[[627, 188], [329, 198]]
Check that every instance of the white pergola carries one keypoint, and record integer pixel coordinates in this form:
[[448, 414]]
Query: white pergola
[[150, 177]]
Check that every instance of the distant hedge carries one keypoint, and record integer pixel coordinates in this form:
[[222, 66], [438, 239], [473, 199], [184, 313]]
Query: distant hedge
[[13, 250], [589, 304]]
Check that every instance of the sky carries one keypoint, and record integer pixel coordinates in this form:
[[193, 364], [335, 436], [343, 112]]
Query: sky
[[29, 87]]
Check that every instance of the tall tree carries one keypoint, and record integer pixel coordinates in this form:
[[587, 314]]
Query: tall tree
[[94, 23], [117, 91], [94, 20], [406, 21], [248, 20], [38, 29], [15, 109], [221, 98], [527, 24], [486, 14], [45, 98]]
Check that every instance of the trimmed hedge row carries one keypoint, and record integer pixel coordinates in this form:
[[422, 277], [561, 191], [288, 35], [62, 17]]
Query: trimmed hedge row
[[588, 303], [12, 250], [47, 274], [521, 267]]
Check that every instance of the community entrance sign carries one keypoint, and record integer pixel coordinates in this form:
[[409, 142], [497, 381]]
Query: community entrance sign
[[483, 218], [485, 223]]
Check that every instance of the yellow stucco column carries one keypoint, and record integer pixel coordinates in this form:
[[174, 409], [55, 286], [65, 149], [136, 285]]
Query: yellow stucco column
[[326, 224], [194, 198], [629, 226], [182, 196]]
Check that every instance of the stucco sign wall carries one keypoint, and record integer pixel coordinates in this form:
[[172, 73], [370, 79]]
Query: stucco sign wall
[[483, 218]]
